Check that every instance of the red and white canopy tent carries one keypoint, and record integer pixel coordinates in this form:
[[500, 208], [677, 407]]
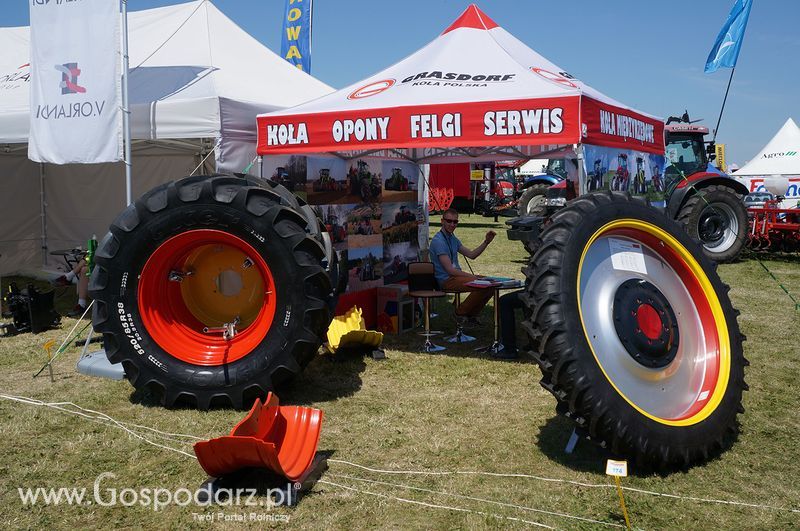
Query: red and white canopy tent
[[475, 93]]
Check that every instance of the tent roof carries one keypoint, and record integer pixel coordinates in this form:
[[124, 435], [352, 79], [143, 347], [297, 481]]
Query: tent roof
[[473, 67], [186, 61], [781, 155]]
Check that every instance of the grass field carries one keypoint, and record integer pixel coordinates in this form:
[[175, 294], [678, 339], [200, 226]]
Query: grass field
[[454, 412]]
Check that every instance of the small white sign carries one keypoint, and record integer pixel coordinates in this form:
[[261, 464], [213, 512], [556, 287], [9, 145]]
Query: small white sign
[[627, 256], [617, 468]]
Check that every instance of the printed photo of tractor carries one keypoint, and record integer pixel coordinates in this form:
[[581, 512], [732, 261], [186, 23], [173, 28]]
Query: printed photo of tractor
[[362, 183], [396, 258], [401, 183], [333, 217], [621, 177], [364, 225], [595, 178], [292, 175], [327, 183], [365, 268], [399, 222]]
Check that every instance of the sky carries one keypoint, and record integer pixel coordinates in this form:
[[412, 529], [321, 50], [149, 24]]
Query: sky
[[649, 55]]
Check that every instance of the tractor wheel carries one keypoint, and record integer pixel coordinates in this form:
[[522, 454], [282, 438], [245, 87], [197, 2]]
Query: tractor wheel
[[717, 217], [195, 260], [634, 332], [531, 202]]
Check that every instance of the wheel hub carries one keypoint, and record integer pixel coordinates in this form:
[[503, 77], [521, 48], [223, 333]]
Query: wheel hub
[[713, 225], [645, 323]]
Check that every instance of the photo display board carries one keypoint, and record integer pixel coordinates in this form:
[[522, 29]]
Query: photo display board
[[370, 206]]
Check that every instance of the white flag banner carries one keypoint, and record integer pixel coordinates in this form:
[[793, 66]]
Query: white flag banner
[[75, 81]]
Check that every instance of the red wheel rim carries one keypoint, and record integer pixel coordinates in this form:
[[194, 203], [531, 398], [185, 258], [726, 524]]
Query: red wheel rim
[[227, 278]]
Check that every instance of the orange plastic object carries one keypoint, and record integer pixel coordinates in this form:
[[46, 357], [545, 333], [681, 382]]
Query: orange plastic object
[[439, 199], [282, 439]]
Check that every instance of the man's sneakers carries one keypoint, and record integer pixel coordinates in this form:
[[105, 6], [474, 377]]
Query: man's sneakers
[[60, 282], [77, 311]]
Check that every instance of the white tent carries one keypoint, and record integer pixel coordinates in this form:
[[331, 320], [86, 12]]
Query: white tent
[[779, 159], [197, 81]]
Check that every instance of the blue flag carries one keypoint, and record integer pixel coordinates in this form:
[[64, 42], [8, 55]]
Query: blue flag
[[725, 51], [296, 38]]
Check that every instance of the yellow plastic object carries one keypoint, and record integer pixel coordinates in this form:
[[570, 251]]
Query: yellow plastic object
[[350, 330]]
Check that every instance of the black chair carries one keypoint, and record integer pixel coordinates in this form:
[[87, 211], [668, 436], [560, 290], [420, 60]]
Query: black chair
[[422, 285]]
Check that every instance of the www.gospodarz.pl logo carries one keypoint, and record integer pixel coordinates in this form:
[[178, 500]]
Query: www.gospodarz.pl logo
[[69, 78]]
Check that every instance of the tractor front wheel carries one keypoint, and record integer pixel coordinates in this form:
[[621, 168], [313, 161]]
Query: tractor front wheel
[[531, 202]]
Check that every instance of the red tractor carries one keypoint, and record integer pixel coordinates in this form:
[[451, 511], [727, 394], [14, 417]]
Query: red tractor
[[397, 182], [620, 180], [708, 203]]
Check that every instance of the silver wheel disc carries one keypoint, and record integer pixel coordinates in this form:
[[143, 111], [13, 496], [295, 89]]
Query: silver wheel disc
[[668, 392]]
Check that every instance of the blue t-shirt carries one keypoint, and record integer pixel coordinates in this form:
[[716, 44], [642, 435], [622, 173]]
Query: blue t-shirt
[[448, 244]]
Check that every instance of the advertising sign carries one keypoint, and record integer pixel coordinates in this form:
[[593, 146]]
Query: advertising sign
[[296, 36], [75, 82], [624, 170], [719, 149]]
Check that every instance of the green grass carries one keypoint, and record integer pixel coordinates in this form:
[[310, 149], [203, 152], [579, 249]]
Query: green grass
[[452, 412]]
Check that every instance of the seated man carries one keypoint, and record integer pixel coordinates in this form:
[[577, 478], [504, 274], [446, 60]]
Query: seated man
[[79, 272], [444, 250]]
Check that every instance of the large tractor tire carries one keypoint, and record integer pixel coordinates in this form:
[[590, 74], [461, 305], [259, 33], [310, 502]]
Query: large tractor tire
[[717, 217], [531, 202], [210, 291], [634, 332]]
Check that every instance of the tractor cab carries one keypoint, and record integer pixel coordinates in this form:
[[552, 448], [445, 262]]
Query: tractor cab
[[686, 150], [556, 168]]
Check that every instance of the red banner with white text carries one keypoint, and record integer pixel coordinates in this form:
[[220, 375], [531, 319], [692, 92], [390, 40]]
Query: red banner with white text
[[611, 126], [540, 121]]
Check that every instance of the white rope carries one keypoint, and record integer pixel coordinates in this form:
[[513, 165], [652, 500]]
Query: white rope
[[69, 335], [182, 24], [483, 500], [107, 420], [102, 418], [567, 481], [472, 473], [219, 140], [709, 500], [435, 506]]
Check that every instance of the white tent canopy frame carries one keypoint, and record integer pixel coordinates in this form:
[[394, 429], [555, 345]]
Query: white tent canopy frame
[[196, 83]]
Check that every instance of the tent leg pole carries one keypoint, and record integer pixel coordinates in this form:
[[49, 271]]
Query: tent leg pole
[[581, 173], [43, 208], [126, 113]]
